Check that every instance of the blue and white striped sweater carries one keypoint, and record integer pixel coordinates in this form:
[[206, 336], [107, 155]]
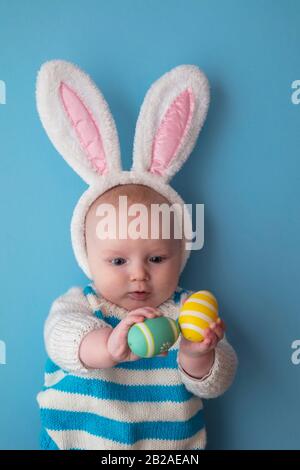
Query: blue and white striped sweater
[[141, 404]]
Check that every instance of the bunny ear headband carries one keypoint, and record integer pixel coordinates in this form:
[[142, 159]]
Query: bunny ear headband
[[79, 123]]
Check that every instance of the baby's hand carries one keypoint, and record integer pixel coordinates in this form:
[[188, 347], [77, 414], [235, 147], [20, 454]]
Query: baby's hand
[[117, 344], [212, 335]]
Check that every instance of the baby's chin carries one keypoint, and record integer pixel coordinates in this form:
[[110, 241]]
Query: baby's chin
[[132, 304]]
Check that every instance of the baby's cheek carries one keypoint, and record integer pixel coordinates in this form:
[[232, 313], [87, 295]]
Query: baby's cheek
[[163, 289]]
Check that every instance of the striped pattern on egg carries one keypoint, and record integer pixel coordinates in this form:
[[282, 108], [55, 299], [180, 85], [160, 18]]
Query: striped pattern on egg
[[153, 336], [197, 312]]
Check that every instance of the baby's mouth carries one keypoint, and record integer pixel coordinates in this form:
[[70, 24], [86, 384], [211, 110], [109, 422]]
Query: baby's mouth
[[139, 295]]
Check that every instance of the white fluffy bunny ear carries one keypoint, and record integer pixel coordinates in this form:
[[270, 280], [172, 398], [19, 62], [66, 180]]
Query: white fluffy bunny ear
[[170, 119], [77, 120]]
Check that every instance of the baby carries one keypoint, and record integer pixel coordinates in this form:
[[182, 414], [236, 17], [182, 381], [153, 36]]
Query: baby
[[97, 393], [138, 275]]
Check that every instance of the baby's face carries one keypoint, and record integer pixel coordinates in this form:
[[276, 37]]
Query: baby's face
[[122, 267]]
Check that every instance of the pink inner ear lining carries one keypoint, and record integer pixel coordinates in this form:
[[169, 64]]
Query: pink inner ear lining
[[172, 131], [85, 127]]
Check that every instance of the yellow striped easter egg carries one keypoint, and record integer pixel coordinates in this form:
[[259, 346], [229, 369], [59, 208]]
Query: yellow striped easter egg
[[197, 312]]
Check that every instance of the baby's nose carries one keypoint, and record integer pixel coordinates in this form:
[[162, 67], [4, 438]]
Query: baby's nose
[[139, 273]]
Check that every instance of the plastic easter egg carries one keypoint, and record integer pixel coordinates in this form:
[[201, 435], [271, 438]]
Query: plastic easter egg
[[153, 336], [197, 312]]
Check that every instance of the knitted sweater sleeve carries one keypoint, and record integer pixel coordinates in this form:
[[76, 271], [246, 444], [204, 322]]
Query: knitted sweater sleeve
[[220, 376], [69, 320]]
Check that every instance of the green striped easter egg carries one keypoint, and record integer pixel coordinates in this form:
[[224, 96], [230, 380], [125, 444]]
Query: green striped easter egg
[[153, 336]]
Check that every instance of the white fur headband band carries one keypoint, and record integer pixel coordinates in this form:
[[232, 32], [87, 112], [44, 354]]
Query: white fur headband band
[[79, 123]]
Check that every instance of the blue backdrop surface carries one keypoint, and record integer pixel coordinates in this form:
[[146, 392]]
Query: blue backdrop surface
[[245, 169]]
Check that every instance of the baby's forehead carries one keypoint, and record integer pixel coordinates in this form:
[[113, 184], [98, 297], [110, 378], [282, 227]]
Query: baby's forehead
[[132, 193], [130, 210], [127, 199], [118, 246], [121, 228]]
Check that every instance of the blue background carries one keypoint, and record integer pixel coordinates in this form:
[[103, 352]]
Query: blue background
[[245, 169]]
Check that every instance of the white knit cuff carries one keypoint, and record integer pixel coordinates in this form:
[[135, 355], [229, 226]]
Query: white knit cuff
[[65, 339], [220, 376], [188, 376]]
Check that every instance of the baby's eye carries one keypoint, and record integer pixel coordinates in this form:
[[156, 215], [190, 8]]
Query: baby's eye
[[118, 261], [156, 259]]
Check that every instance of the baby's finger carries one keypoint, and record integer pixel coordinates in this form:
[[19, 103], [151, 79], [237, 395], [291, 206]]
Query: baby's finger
[[221, 323], [141, 310], [154, 310], [146, 311], [149, 315], [211, 341], [210, 337], [218, 331], [208, 333], [154, 314], [208, 341], [131, 320], [138, 318]]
